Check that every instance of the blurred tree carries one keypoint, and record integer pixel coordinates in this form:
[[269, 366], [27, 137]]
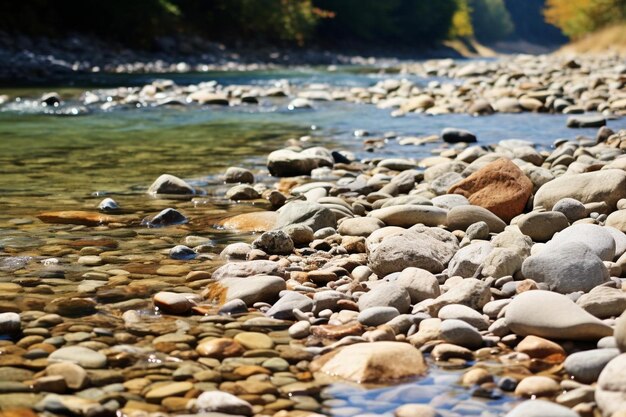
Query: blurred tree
[[579, 17], [407, 22], [461, 21], [491, 20], [529, 23]]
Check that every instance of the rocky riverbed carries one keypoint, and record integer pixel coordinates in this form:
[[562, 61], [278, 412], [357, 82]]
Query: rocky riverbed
[[478, 279]]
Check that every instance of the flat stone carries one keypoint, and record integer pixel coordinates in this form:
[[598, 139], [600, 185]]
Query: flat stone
[[409, 215], [462, 217], [603, 302], [169, 390], [461, 333], [82, 356], [607, 186], [554, 316], [254, 340], [375, 316], [314, 215], [248, 269]]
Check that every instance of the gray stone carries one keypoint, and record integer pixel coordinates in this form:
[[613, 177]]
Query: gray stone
[[79, 355], [248, 269], [375, 316], [167, 217], [585, 367], [386, 294], [603, 302], [468, 259], [360, 226], [274, 242], [460, 333], [586, 121], [448, 201], [470, 292], [420, 284], [462, 217], [427, 248], [182, 253], [611, 390], [238, 175], [287, 303], [242, 192], [554, 316], [599, 239], [566, 267], [409, 215], [313, 215], [541, 408], [541, 226], [478, 230], [571, 208], [464, 313], [289, 163], [608, 186], [501, 262], [169, 184]]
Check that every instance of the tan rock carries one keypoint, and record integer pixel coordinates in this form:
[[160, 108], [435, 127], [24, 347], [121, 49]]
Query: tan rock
[[219, 348], [260, 221], [538, 386], [500, 187], [375, 362], [540, 348]]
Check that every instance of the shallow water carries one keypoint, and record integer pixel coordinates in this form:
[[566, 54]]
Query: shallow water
[[70, 163]]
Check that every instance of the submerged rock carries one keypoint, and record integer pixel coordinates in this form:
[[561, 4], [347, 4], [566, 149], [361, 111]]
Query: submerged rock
[[375, 362]]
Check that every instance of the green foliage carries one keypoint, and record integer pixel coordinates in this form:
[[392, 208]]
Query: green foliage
[[579, 17], [407, 22], [491, 20]]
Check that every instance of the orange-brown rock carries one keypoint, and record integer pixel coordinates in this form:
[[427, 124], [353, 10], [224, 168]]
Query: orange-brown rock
[[500, 187], [259, 221], [329, 331], [86, 218], [219, 348], [540, 348]]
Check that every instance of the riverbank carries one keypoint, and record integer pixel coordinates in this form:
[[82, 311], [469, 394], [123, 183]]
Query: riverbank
[[39, 61], [314, 253]]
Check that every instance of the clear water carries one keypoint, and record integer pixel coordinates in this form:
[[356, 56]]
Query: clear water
[[70, 163]]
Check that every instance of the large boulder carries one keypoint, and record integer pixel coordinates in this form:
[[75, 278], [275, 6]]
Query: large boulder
[[289, 163], [430, 249], [553, 316], [607, 186], [566, 268], [500, 187], [374, 362], [597, 238]]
